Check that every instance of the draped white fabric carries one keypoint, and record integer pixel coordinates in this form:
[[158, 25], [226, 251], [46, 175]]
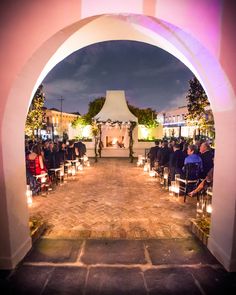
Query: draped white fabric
[[115, 108]]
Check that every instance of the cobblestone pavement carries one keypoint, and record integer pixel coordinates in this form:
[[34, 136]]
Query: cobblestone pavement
[[114, 199]]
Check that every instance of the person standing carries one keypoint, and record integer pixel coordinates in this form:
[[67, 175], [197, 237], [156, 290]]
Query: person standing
[[153, 154], [164, 155], [80, 149], [176, 161]]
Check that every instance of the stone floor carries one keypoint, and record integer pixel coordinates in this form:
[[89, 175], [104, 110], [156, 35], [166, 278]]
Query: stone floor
[[113, 199], [162, 266]]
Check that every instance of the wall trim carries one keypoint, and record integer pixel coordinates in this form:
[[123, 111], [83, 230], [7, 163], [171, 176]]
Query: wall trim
[[13, 260], [221, 256]]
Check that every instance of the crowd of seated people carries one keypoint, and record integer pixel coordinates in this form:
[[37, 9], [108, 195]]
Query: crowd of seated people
[[179, 156], [43, 156]]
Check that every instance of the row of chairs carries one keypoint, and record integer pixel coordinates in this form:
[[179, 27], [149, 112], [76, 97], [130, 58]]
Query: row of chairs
[[185, 182], [48, 181]]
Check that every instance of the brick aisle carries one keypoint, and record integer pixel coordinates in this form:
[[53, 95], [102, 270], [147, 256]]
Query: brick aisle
[[113, 199]]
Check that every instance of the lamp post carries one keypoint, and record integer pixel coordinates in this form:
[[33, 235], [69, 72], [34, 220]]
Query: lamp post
[[61, 100], [52, 131]]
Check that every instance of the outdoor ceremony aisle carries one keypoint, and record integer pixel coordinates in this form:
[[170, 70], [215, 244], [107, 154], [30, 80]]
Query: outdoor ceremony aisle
[[113, 199]]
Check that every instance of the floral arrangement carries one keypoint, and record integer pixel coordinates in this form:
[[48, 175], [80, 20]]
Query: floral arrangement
[[35, 222], [204, 224]]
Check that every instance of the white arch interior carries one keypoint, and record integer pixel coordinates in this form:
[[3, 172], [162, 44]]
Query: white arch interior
[[106, 28]]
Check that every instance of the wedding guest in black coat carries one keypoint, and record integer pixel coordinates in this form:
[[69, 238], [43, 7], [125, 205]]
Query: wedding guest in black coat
[[176, 162], [80, 149], [153, 154], [71, 155], [207, 158], [164, 154]]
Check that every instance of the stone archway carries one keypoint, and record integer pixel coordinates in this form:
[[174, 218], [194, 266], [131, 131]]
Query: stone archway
[[28, 75]]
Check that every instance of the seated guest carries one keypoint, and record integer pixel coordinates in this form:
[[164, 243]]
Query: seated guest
[[61, 153], [46, 151], [192, 158], [34, 161], [207, 181], [32, 182], [80, 149], [176, 162], [171, 145], [50, 156], [71, 155], [185, 149], [207, 158], [153, 154], [181, 143]]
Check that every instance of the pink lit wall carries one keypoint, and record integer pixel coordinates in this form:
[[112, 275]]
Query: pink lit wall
[[201, 18], [228, 41]]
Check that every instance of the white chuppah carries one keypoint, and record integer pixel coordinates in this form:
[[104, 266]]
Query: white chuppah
[[115, 119]]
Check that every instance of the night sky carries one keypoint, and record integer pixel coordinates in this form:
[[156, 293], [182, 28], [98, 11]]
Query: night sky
[[150, 77]]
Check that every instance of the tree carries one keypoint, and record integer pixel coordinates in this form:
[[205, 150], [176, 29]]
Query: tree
[[199, 112], [35, 117], [79, 121], [95, 107], [145, 117]]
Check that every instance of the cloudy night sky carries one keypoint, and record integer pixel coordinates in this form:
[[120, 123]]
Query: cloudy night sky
[[150, 77]]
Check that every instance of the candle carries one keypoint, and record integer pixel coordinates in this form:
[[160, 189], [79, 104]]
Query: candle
[[146, 167], [73, 171], [209, 209], [152, 173], [29, 196], [80, 167], [43, 179], [165, 173]]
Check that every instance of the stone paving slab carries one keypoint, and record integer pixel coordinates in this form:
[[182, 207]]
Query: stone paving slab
[[176, 281], [115, 281], [178, 251], [119, 267], [28, 280], [57, 251], [215, 280], [113, 252], [66, 281]]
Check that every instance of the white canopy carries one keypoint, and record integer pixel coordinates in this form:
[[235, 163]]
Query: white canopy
[[115, 108]]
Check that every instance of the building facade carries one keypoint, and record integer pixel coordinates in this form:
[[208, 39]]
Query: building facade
[[57, 123], [175, 124]]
